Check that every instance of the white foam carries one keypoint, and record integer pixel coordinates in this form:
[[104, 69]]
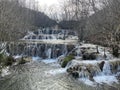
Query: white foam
[[36, 58], [86, 81], [48, 61], [106, 79], [56, 71], [99, 80], [75, 62]]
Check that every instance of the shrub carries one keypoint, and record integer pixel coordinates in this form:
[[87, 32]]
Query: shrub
[[1, 57], [0, 69], [8, 61], [66, 60]]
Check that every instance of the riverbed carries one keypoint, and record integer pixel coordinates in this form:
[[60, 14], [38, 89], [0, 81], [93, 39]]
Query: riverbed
[[45, 76]]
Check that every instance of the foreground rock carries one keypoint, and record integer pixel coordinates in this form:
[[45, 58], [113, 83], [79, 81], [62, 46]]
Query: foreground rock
[[88, 69]]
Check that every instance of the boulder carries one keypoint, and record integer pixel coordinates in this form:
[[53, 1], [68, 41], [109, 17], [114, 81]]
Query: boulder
[[75, 74], [115, 50], [66, 60]]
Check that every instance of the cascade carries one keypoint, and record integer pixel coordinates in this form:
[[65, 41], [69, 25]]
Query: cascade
[[49, 53], [94, 68], [107, 68], [44, 43], [90, 68]]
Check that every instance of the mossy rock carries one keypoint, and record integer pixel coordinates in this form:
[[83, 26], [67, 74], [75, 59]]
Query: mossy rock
[[22, 61], [66, 60]]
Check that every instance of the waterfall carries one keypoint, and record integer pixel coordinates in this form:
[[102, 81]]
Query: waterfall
[[94, 68], [44, 43], [49, 53], [106, 68]]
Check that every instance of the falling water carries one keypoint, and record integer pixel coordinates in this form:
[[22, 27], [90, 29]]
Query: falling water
[[49, 53], [44, 43], [107, 69]]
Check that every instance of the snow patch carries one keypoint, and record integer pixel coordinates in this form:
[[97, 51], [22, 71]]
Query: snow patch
[[17, 56], [5, 71]]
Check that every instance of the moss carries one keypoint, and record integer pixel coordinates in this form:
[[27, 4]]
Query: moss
[[66, 60]]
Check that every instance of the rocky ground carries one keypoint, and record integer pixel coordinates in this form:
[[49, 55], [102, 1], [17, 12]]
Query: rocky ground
[[41, 76]]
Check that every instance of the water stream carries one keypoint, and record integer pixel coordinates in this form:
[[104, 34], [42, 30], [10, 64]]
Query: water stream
[[41, 76], [44, 72]]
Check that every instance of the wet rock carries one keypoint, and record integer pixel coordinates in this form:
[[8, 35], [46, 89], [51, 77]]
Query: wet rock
[[93, 56], [89, 56], [70, 47], [73, 71], [22, 61], [114, 66], [118, 75], [84, 70], [57, 52], [69, 70], [66, 60], [101, 65], [115, 50], [85, 56], [61, 59], [83, 50], [91, 78], [33, 37], [75, 74]]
